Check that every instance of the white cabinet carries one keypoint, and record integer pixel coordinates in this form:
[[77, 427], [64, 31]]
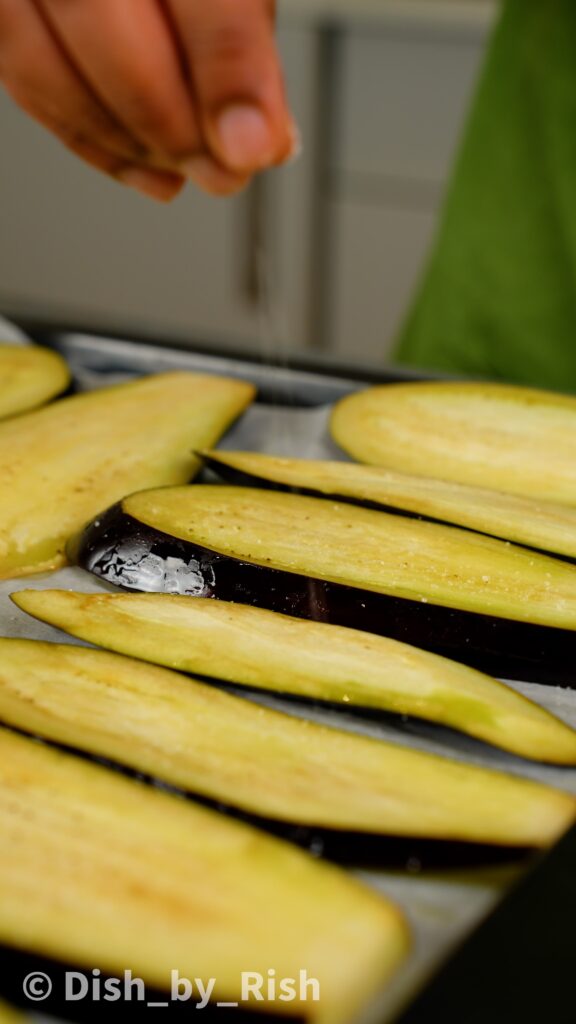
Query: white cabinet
[[403, 95], [377, 255]]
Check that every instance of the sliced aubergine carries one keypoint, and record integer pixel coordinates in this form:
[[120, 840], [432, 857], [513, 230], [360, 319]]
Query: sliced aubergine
[[10, 1016], [537, 524], [507, 438], [263, 762], [470, 597], [59, 465], [265, 650], [98, 869], [29, 376]]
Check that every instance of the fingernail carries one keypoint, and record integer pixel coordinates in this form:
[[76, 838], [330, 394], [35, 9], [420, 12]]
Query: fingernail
[[245, 137], [153, 184]]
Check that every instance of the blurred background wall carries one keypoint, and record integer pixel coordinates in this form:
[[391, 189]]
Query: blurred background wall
[[380, 88]]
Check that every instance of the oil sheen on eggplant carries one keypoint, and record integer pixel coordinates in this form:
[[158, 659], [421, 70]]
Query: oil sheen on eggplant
[[538, 524], [115, 873], [513, 439], [60, 464], [29, 377], [279, 767], [312, 660], [131, 546]]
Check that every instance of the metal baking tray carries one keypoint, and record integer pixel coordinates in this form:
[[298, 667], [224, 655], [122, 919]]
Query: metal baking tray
[[474, 931]]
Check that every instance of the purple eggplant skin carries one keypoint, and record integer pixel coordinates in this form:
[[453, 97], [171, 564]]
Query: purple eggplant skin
[[367, 850], [125, 552]]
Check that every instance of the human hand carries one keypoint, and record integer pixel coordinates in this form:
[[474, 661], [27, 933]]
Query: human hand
[[153, 92]]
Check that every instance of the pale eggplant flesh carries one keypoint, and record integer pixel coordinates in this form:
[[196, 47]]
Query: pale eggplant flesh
[[104, 871], [532, 522], [270, 765], [264, 650], [207, 541], [60, 464], [8, 1014], [29, 377], [513, 439]]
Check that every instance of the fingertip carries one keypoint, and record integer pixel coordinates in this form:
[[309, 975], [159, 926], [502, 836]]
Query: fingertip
[[294, 146], [244, 137], [211, 178], [159, 185], [245, 141]]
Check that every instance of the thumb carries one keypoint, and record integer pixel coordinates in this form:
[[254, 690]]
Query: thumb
[[235, 69]]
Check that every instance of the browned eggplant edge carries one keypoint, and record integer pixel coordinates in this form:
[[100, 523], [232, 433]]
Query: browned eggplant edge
[[121, 550]]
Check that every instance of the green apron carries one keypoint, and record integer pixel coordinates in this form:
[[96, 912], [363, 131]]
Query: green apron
[[498, 298]]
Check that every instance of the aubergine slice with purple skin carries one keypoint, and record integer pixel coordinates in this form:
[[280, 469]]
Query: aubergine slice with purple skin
[[97, 869], [512, 439], [61, 464], [253, 647], [538, 524], [29, 377], [265, 763], [497, 607]]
